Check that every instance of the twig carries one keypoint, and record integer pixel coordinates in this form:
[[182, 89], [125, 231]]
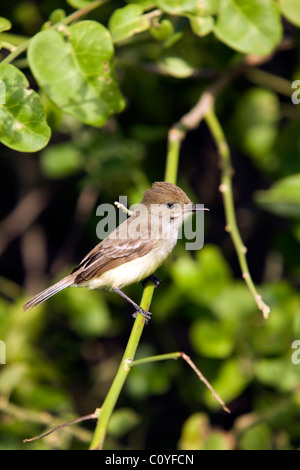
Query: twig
[[22, 216], [226, 190], [43, 418], [269, 80], [188, 360], [121, 206], [60, 426]]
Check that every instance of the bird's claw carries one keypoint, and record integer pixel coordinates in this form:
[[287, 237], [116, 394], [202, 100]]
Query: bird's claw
[[146, 315]]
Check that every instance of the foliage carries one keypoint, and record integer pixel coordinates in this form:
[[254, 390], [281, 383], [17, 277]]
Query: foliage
[[84, 118]]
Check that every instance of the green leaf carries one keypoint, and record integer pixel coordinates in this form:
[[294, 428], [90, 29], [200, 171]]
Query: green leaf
[[278, 372], [23, 125], [194, 432], [145, 4], [76, 71], [97, 319], [252, 27], [208, 7], [201, 280], [127, 21], [234, 302], [162, 30], [201, 25], [255, 123], [212, 338], [283, 198], [57, 15], [79, 3], [61, 160], [257, 437], [177, 6], [291, 10], [5, 24], [176, 66], [229, 384], [122, 421], [198, 434]]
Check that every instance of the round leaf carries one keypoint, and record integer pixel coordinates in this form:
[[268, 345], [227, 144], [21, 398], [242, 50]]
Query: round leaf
[[61, 160], [255, 122], [211, 338], [5, 24], [127, 21], [252, 27], [291, 10], [229, 383], [178, 6], [201, 25], [76, 71], [23, 125], [162, 30], [283, 198], [176, 66]]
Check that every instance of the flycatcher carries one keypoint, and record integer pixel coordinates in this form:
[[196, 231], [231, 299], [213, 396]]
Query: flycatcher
[[134, 250]]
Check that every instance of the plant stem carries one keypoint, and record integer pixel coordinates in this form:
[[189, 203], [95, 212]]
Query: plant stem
[[43, 418], [187, 359], [203, 109], [269, 80], [18, 50], [119, 380], [226, 190], [174, 142]]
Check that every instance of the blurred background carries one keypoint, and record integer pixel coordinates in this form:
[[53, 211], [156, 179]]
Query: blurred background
[[61, 357]]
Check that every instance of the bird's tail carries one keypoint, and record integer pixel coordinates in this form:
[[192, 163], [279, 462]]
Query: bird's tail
[[45, 294]]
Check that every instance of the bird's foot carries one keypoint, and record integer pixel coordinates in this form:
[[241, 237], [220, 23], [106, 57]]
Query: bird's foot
[[146, 315]]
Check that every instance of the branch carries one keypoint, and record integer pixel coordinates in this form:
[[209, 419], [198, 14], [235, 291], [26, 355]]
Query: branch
[[43, 418], [226, 190], [188, 360], [122, 373], [60, 426], [121, 206], [22, 216]]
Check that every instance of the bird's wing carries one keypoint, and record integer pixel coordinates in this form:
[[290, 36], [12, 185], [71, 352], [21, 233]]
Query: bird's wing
[[109, 254]]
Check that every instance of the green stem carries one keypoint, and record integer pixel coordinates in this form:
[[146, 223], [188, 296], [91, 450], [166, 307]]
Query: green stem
[[174, 143], [122, 373], [159, 357], [188, 360], [226, 190], [269, 80], [21, 48]]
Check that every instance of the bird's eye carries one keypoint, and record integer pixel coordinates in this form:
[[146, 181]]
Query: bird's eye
[[170, 205]]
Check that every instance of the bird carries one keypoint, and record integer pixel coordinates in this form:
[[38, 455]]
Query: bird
[[133, 250]]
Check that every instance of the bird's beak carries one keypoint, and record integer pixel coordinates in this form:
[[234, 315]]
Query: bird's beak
[[194, 208]]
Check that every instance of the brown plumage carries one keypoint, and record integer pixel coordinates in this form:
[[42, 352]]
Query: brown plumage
[[98, 268], [162, 193]]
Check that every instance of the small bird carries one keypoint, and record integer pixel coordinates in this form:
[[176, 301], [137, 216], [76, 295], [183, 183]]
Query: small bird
[[134, 250]]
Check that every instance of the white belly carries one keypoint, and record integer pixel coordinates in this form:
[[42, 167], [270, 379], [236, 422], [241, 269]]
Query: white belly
[[133, 271]]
